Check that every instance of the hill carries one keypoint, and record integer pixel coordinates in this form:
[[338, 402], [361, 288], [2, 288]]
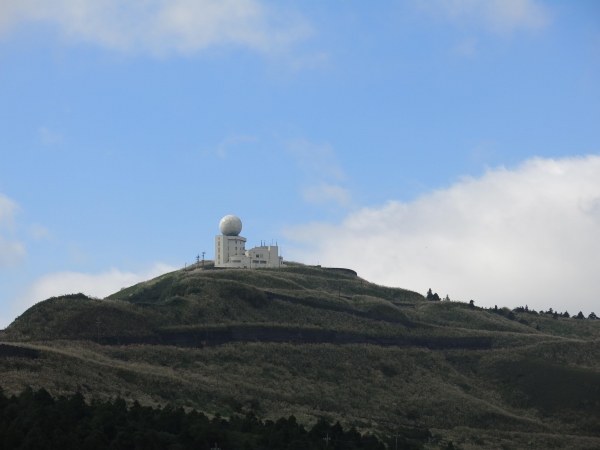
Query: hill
[[319, 343]]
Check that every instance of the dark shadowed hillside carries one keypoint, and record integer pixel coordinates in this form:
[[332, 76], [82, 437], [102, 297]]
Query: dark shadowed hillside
[[318, 343]]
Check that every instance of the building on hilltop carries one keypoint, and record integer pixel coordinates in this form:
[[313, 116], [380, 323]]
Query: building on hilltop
[[230, 249]]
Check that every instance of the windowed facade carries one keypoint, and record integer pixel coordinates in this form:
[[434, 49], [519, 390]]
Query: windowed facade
[[230, 249], [230, 252]]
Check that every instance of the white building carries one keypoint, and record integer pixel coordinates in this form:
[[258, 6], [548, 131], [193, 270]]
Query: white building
[[230, 249]]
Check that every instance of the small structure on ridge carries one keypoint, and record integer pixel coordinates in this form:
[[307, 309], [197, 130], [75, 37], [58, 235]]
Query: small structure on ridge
[[230, 249]]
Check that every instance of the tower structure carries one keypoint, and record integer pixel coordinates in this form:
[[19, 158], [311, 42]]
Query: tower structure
[[230, 249]]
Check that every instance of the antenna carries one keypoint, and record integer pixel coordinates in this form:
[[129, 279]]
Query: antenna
[[327, 439]]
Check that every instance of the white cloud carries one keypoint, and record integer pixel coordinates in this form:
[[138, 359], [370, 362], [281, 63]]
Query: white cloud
[[230, 141], [8, 210], [49, 137], [466, 47], [39, 232], [324, 193], [511, 237], [500, 16], [319, 165], [316, 160], [11, 252], [96, 285], [161, 26]]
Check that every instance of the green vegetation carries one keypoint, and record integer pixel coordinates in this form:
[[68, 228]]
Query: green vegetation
[[34, 420], [231, 342]]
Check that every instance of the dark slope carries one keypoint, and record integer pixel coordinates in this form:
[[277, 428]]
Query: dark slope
[[312, 342]]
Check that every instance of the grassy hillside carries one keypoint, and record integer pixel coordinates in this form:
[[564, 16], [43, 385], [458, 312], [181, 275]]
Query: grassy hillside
[[536, 387]]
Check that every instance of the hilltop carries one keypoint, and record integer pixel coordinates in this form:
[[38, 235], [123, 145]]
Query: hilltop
[[319, 343]]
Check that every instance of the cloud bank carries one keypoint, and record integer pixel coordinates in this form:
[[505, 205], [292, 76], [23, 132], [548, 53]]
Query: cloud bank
[[95, 285], [161, 26], [510, 237]]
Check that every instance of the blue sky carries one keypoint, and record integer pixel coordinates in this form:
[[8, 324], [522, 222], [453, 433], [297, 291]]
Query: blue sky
[[338, 129]]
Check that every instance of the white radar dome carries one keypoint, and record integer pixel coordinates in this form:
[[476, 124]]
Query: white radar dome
[[230, 225]]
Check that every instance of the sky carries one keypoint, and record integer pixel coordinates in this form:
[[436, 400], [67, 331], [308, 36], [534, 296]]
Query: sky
[[443, 144]]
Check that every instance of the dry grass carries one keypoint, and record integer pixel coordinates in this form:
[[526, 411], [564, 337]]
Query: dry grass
[[467, 396]]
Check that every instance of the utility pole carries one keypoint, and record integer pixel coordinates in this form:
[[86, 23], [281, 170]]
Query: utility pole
[[197, 260], [327, 439], [203, 260], [216, 448], [396, 436]]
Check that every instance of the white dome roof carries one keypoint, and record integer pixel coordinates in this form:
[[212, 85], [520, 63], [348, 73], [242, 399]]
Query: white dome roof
[[230, 225]]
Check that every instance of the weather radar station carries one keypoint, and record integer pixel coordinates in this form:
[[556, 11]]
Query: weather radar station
[[230, 249]]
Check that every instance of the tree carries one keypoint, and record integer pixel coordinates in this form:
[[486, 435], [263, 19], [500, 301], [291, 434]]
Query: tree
[[472, 303], [555, 315], [579, 316], [592, 316], [566, 314], [34, 420], [447, 299], [432, 297]]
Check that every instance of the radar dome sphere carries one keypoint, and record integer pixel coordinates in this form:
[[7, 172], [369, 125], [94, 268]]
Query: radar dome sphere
[[230, 225]]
